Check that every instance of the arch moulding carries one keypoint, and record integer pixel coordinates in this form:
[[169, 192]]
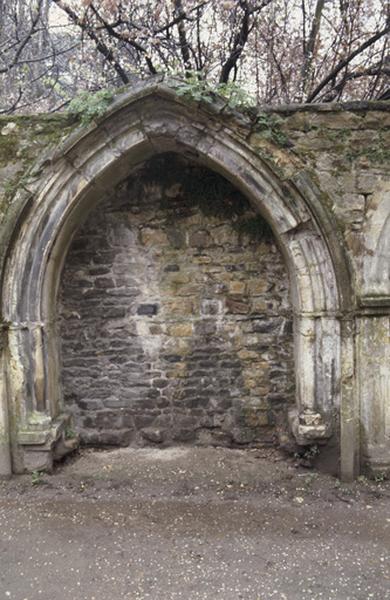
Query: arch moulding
[[140, 124]]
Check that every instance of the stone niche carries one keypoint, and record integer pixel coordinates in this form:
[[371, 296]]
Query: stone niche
[[175, 317]]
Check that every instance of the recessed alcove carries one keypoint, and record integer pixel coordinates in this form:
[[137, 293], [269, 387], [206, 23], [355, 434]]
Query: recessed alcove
[[69, 188], [175, 315]]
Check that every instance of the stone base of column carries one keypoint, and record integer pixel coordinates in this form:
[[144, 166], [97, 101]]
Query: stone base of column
[[376, 463], [44, 441], [309, 427]]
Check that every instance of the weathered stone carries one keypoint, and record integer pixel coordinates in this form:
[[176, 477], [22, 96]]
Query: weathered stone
[[265, 325], [110, 403], [180, 306], [180, 330], [144, 421], [156, 329], [149, 310], [327, 201], [258, 286], [259, 305], [160, 383], [237, 287], [200, 239], [243, 435], [172, 268], [211, 307], [155, 237], [213, 437], [177, 239], [184, 435], [247, 354], [237, 306], [36, 460], [206, 327], [153, 434]]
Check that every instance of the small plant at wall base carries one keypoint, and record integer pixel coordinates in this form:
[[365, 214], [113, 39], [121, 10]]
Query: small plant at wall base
[[37, 478], [69, 433], [307, 454]]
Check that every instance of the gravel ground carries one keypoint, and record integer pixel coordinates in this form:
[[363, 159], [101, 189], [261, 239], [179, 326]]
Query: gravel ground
[[192, 523]]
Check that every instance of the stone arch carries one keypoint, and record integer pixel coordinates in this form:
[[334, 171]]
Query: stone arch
[[140, 124]]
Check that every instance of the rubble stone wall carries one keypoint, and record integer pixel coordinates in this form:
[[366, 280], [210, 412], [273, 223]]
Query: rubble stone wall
[[176, 323]]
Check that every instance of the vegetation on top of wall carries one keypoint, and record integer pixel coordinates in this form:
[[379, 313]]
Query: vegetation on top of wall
[[87, 106], [22, 139], [340, 135], [198, 89], [270, 127], [11, 185]]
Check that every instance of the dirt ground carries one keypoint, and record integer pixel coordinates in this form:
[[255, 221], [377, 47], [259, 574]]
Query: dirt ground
[[192, 523]]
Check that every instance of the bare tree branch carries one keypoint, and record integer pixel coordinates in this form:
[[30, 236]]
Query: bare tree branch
[[184, 45], [181, 16], [279, 50], [346, 61], [373, 71], [126, 40], [27, 38], [309, 47], [100, 46], [239, 42]]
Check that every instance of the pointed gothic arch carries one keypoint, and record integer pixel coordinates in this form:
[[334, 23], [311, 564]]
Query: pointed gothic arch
[[140, 124]]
